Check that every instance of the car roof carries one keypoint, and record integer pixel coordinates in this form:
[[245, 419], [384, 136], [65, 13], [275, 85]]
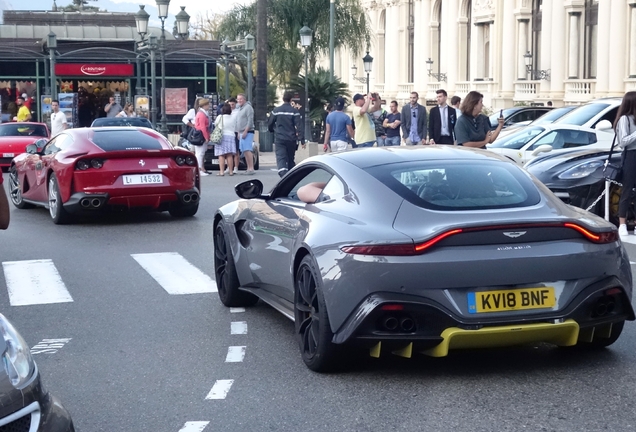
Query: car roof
[[24, 123], [368, 157]]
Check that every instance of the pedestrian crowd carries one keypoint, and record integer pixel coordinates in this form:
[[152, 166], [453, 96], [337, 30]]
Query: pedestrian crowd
[[453, 123]]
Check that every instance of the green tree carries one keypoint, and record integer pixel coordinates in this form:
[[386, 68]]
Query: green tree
[[79, 5], [321, 92]]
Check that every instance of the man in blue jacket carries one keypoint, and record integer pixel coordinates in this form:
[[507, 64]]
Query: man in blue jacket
[[285, 123]]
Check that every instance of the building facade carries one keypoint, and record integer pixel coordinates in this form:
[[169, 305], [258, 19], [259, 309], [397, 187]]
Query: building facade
[[512, 51]]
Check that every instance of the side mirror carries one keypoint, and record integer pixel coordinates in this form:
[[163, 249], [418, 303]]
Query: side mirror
[[40, 143], [604, 125], [542, 149], [32, 149], [249, 189]]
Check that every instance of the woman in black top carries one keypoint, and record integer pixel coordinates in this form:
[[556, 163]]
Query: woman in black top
[[473, 128]]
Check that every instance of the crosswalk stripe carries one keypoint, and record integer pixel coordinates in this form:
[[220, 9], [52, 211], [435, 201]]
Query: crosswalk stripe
[[175, 274], [220, 389], [34, 282], [238, 327], [235, 354], [194, 426]]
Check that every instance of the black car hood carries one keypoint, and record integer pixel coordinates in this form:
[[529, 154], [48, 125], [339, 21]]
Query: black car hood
[[548, 168]]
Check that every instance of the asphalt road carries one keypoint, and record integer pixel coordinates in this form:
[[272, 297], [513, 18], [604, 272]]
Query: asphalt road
[[125, 355]]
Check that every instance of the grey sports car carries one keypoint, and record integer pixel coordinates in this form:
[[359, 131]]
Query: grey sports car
[[401, 250]]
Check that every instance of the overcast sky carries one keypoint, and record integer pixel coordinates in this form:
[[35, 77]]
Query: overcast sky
[[193, 7]]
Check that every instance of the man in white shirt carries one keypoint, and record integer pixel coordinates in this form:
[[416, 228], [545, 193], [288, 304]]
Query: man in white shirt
[[58, 119]]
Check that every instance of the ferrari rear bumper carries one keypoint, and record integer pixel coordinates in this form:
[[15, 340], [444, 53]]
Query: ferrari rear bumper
[[83, 202]]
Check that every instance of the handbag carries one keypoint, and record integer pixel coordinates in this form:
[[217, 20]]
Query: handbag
[[195, 137], [217, 133], [613, 171]]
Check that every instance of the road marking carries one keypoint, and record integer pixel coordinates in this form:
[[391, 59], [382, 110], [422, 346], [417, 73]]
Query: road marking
[[236, 310], [238, 327], [629, 239], [49, 346], [34, 282], [194, 426], [235, 354], [220, 389], [175, 274]]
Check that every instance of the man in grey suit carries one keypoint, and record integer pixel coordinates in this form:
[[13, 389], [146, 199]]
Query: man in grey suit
[[413, 122]]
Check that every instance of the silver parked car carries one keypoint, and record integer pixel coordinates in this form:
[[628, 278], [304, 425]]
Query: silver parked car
[[401, 250]]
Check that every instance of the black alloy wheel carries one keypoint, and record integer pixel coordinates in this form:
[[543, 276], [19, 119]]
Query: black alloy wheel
[[15, 190], [313, 330], [227, 281]]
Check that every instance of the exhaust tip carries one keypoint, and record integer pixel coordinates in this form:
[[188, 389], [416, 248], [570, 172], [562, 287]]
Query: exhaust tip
[[407, 324], [194, 197], [96, 202], [85, 202], [390, 323], [187, 198]]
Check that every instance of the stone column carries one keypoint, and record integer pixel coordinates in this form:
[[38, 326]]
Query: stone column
[[632, 40], [523, 48], [544, 62], [480, 73], [422, 45], [492, 45], [557, 53], [609, 54], [391, 40], [451, 45], [574, 45], [617, 61]]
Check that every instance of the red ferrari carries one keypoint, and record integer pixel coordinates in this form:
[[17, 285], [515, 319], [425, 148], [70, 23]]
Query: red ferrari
[[14, 137], [91, 169]]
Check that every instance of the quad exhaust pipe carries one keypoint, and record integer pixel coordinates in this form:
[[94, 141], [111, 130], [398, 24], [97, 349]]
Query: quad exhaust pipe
[[604, 306], [403, 324], [91, 203], [190, 198]]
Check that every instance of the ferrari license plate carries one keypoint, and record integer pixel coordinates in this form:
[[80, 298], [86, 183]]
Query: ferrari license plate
[[511, 300], [8, 155], [141, 179]]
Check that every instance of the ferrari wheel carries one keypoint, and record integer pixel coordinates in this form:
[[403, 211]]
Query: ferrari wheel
[[227, 281], [598, 343], [58, 213], [15, 190], [311, 320], [185, 211]]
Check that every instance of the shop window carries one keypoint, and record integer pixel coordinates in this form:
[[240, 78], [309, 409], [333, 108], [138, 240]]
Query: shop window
[[184, 69]]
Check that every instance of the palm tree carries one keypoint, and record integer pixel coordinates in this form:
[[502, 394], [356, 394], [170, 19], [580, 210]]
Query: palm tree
[[321, 93], [260, 103]]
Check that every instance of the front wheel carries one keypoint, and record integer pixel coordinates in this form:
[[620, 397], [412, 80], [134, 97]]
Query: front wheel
[[227, 281], [313, 330], [56, 208], [15, 190]]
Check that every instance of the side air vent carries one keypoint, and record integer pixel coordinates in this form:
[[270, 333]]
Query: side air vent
[[244, 239]]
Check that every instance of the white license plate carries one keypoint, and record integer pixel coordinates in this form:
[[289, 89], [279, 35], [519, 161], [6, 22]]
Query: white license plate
[[140, 179], [8, 154], [214, 161]]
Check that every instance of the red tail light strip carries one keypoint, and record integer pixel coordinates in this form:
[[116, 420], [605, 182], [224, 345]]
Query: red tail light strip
[[420, 248]]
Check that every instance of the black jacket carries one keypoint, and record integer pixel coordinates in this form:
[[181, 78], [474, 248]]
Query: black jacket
[[435, 123], [286, 124]]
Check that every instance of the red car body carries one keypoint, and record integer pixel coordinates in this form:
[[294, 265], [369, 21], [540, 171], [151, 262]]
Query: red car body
[[90, 169], [14, 137]]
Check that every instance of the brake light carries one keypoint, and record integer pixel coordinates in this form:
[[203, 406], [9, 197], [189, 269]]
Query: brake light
[[384, 250], [392, 307], [84, 164], [603, 237], [422, 246]]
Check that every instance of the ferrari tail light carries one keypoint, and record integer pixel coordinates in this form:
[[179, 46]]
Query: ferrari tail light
[[84, 164], [186, 160]]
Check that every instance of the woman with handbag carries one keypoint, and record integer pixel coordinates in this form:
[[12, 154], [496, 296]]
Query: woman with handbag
[[625, 127], [226, 148], [202, 124]]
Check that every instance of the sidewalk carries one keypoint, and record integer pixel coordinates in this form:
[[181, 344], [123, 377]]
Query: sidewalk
[[311, 149]]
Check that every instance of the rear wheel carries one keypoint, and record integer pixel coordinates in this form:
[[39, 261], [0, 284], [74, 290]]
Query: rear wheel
[[56, 208], [227, 281], [311, 320], [15, 190]]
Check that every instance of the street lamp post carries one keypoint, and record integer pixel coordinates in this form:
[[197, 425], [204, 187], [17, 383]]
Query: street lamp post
[[141, 19], [250, 45], [367, 60], [438, 76], [305, 41], [52, 45]]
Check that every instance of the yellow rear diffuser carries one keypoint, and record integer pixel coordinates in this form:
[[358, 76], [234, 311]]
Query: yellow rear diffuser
[[562, 334]]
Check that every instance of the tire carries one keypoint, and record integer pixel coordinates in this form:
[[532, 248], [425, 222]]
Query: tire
[[600, 343], [313, 330], [59, 215], [15, 190], [227, 280], [184, 211]]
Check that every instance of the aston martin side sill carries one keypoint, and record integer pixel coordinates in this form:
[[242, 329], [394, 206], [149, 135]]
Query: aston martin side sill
[[281, 305]]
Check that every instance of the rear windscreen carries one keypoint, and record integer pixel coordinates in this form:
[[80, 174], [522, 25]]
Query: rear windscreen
[[114, 140], [459, 185], [21, 129]]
